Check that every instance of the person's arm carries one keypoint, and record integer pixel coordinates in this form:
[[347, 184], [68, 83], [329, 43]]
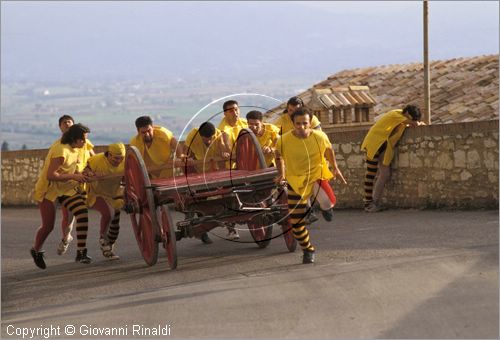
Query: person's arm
[[226, 147], [179, 151], [280, 165], [330, 157], [54, 175]]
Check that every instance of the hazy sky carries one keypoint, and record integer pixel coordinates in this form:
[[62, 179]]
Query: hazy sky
[[96, 39]]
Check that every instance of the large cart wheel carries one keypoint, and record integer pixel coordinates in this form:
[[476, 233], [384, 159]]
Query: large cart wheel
[[249, 154], [261, 230], [168, 236], [286, 225], [141, 205]]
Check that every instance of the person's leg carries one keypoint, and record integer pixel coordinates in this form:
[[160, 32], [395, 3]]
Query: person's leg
[[66, 224], [66, 228], [76, 205], [104, 210], [108, 230], [48, 215], [384, 174], [370, 173], [114, 228], [325, 197], [297, 207]]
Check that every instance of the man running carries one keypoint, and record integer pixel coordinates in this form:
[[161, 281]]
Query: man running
[[303, 157]]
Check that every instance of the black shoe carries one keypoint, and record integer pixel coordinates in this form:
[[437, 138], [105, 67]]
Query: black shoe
[[205, 239], [308, 257], [38, 258], [311, 218], [327, 214], [81, 256]]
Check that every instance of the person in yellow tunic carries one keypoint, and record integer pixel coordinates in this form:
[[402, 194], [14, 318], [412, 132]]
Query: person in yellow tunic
[[156, 144], [231, 124], [106, 195], [67, 221], [41, 186], [63, 185], [285, 123], [379, 145], [206, 143], [303, 156], [267, 135]]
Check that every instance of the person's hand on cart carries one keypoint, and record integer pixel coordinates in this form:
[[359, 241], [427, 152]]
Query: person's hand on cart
[[280, 180]]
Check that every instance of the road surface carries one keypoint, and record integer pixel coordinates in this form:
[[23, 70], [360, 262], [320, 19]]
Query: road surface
[[393, 274]]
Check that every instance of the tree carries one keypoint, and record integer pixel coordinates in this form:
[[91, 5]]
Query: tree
[[5, 146], [24, 147]]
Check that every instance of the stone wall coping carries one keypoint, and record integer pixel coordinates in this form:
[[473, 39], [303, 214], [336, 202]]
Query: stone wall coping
[[336, 137], [421, 131]]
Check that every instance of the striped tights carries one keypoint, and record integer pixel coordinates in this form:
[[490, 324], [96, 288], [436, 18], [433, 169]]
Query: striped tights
[[297, 207], [76, 205]]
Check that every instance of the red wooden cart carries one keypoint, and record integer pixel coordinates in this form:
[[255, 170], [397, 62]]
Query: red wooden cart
[[244, 195]]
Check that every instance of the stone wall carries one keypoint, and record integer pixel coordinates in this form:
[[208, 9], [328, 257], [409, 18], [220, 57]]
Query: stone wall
[[438, 166]]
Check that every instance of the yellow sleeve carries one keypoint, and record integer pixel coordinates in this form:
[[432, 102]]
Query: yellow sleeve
[[315, 122], [133, 141], [279, 145], [190, 137], [166, 134], [326, 141], [88, 145], [59, 151], [93, 162]]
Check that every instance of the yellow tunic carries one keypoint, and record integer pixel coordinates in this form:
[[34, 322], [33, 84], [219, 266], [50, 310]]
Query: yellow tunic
[[202, 152], [233, 131], [53, 189], [388, 128], [285, 123], [305, 161], [109, 189], [84, 155], [159, 151], [269, 138]]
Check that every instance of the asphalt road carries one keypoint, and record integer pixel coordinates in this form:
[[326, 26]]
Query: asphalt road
[[394, 274]]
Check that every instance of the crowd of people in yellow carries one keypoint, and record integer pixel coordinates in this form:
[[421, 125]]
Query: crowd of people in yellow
[[79, 179]]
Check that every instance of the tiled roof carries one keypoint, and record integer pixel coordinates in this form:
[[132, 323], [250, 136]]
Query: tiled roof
[[322, 98], [462, 89]]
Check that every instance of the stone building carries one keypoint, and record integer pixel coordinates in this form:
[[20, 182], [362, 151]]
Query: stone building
[[342, 108]]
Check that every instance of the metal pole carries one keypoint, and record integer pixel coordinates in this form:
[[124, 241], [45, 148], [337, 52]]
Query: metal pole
[[427, 87]]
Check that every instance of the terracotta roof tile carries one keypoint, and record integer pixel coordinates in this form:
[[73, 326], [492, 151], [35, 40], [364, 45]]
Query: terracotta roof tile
[[462, 89]]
